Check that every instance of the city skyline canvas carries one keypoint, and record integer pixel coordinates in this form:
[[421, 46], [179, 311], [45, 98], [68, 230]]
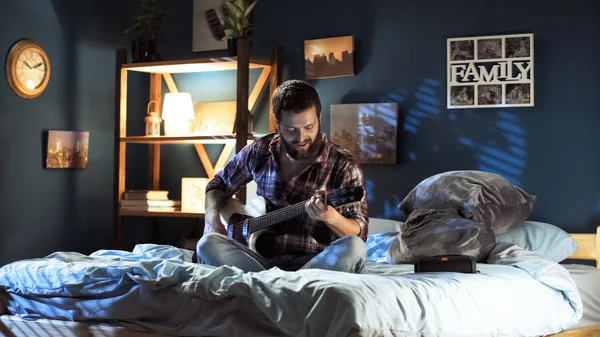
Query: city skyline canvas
[[67, 149], [329, 57], [368, 130]]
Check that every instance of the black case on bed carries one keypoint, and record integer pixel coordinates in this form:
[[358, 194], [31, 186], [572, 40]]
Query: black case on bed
[[446, 263]]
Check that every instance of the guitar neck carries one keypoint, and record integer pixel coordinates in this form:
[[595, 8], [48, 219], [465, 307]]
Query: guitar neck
[[335, 198], [275, 217]]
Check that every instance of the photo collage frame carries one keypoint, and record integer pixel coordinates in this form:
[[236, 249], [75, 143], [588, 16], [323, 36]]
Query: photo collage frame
[[490, 71]]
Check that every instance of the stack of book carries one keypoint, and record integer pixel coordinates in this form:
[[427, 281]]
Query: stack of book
[[149, 200]]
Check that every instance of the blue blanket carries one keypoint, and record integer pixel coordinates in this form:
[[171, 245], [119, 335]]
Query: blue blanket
[[517, 293]]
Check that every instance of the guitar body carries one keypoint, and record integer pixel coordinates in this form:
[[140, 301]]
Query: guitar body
[[247, 223], [236, 215]]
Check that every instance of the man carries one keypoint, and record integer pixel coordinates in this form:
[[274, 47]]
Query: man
[[291, 166]]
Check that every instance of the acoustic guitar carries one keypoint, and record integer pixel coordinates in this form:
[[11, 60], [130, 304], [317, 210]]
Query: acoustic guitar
[[246, 223]]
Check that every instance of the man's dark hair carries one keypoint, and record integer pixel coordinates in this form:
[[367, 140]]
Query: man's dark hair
[[295, 96]]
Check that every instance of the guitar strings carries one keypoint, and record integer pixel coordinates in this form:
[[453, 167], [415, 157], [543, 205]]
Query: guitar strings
[[280, 214]]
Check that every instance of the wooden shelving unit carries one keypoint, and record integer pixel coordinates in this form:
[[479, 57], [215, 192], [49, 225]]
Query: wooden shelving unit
[[173, 214], [216, 139], [159, 71], [193, 66]]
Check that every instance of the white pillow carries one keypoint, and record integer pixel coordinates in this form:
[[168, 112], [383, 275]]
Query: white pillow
[[380, 225], [543, 238]]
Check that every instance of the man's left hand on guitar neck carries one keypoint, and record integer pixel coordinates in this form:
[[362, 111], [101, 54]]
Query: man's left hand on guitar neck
[[317, 209]]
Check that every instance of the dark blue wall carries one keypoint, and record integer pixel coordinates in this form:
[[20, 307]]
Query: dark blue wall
[[550, 150], [43, 210]]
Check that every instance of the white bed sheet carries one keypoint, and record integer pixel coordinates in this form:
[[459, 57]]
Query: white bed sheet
[[518, 294], [587, 279]]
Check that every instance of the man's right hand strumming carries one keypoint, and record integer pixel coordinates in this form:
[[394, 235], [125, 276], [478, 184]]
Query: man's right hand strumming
[[215, 200], [213, 223]]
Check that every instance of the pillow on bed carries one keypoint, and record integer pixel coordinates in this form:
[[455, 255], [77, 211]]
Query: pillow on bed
[[543, 238], [482, 196], [440, 232]]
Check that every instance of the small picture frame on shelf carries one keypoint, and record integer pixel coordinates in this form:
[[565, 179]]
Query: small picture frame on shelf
[[193, 194]]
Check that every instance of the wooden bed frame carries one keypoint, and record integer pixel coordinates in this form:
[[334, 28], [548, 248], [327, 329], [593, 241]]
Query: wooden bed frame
[[589, 249], [11, 326]]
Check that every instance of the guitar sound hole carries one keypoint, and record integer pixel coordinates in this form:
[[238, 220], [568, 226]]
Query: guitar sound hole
[[265, 245]]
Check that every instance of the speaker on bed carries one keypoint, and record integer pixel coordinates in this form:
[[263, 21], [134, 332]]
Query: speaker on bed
[[446, 263]]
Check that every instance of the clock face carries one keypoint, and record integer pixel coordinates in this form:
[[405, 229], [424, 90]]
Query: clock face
[[31, 68], [28, 69]]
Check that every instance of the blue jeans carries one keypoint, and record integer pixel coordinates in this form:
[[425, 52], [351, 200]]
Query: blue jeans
[[347, 254]]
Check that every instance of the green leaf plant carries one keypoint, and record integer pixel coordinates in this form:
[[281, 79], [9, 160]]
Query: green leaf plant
[[236, 23], [147, 25]]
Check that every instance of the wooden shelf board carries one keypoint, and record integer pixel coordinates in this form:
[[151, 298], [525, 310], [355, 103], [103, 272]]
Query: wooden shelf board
[[174, 214], [222, 139], [192, 66]]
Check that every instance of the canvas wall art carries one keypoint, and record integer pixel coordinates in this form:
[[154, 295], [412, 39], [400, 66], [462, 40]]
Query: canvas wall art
[[490, 71], [329, 57], [67, 149], [207, 17], [367, 130]]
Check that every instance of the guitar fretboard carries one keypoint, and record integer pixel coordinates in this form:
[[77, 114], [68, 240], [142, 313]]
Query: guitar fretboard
[[277, 216], [336, 198]]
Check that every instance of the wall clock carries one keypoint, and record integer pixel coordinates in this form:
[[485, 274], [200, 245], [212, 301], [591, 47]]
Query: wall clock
[[28, 69]]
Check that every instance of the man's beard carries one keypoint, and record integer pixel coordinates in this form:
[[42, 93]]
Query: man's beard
[[297, 155]]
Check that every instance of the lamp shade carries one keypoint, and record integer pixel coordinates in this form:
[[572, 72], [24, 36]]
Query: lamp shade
[[178, 106]]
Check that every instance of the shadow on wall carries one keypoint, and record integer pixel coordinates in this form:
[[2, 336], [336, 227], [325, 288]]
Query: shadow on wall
[[62, 10], [351, 18], [87, 19], [363, 45], [91, 40], [433, 139]]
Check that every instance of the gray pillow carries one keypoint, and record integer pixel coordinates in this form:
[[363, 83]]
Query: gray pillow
[[482, 196], [430, 232]]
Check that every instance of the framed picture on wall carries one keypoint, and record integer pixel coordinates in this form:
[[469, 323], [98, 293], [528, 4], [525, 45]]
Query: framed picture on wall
[[490, 71], [329, 57], [367, 130], [67, 149]]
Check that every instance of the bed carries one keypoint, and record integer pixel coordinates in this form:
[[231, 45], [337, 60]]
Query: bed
[[225, 319]]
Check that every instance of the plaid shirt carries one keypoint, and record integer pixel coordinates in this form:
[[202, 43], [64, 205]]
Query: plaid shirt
[[334, 168]]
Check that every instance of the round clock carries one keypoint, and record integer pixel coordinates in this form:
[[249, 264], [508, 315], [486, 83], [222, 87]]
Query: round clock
[[28, 69]]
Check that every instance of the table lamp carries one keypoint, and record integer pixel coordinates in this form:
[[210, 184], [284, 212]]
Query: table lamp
[[178, 112]]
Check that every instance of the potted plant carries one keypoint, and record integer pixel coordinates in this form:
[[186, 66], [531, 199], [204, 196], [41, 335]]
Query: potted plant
[[236, 23], [146, 29]]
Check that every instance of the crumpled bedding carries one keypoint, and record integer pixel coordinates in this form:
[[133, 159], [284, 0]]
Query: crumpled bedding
[[518, 293]]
